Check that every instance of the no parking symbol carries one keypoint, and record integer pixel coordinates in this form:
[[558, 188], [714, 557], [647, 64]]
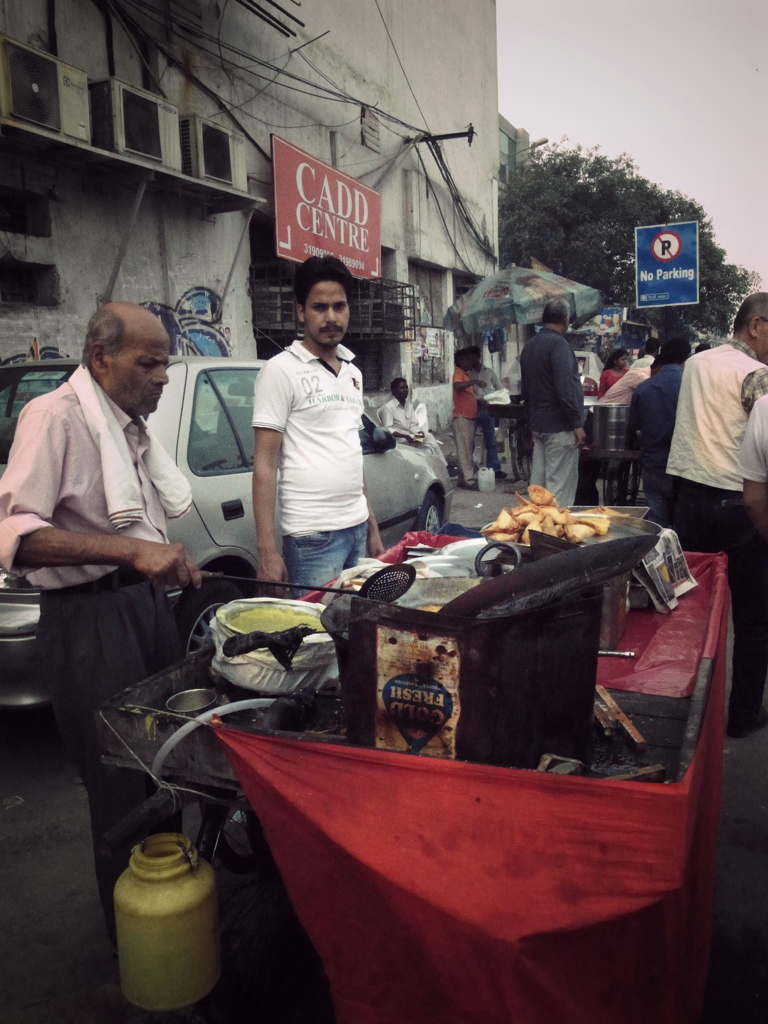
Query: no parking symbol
[[667, 264], [667, 245]]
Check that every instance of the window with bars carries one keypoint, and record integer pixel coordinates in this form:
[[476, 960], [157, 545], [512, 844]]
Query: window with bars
[[24, 213], [32, 284], [369, 359], [381, 311]]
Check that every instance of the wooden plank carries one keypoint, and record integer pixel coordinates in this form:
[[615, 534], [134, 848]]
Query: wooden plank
[[650, 773], [636, 740], [604, 723]]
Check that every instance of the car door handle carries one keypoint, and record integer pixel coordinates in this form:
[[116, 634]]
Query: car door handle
[[232, 509]]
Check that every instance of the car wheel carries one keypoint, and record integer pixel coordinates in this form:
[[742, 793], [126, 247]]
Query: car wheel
[[430, 517], [196, 609]]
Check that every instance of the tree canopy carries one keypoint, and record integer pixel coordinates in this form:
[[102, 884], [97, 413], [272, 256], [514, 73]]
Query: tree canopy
[[576, 211]]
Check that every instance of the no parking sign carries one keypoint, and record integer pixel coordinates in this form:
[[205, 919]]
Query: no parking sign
[[667, 264]]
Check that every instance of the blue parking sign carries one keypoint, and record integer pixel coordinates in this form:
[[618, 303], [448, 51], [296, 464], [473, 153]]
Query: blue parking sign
[[667, 264]]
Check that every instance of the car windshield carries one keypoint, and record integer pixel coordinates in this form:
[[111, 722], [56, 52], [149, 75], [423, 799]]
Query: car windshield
[[19, 385], [221, 434]]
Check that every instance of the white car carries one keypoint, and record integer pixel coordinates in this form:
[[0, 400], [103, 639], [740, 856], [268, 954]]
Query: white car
[[204, 421]]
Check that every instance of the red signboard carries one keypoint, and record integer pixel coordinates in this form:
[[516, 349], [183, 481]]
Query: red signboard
[[320, 211]]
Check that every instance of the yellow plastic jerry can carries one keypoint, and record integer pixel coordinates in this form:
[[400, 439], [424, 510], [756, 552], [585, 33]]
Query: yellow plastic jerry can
[[167, 924]]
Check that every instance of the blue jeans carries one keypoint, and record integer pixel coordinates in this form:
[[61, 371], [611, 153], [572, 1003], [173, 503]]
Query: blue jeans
[[658, 489], [317, 558], [486, 423], [703, 523]]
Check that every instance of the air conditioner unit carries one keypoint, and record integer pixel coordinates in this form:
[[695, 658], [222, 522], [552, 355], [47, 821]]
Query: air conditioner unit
[[212, 152], [125, 119], [39, 89]]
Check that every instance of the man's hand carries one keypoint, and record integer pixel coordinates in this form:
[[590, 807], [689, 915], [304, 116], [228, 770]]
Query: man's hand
[[580, 437], [271, 567], [373, 544], [169, 565]]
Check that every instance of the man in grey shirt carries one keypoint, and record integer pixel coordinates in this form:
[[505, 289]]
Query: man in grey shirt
[[552, 391]]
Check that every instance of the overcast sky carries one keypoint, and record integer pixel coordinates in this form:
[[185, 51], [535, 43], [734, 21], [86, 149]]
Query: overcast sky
[[680, 85]]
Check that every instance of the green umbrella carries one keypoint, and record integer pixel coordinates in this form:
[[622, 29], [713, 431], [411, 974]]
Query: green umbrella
[[518, 295]]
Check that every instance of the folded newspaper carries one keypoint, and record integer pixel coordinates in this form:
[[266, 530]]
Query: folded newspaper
[[664, 572]]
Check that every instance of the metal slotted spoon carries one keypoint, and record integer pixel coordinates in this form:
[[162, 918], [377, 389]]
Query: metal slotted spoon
[[385, 585]]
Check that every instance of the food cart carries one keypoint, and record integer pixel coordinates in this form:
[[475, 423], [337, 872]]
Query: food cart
[[442, 890]]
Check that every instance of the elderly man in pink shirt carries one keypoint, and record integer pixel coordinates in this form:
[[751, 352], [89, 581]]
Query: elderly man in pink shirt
[[83, 509]]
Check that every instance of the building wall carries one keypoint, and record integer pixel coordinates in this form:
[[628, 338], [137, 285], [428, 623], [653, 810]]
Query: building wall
[[174, 248]]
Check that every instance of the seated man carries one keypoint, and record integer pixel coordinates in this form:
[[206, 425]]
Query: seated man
[[399, 416]]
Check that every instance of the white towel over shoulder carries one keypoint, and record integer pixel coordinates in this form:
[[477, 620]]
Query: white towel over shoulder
[[121, 485]]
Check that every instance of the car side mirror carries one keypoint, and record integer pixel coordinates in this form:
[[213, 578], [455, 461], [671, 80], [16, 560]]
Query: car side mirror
[[382, 440]]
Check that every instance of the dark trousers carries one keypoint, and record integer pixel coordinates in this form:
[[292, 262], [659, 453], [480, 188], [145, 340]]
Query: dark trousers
[[704, 523], [93, 646], [487, 424]]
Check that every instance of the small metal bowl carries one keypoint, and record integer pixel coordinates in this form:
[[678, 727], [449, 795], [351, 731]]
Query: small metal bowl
[[189, 701]]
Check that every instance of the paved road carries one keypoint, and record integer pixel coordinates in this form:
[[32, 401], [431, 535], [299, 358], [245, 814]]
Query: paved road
[[56, 966]]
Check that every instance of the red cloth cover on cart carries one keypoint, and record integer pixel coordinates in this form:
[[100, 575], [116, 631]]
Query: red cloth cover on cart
[[668, 647], [451, 893]]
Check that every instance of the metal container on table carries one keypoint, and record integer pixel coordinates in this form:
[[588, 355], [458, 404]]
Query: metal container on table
[[609, 427]]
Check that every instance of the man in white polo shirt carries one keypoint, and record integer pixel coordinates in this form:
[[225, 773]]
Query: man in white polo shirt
[[306, 416], [717, 394]]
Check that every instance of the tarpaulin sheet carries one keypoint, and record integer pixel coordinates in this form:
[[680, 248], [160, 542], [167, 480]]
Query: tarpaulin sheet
[[452, 893], [668, 647]]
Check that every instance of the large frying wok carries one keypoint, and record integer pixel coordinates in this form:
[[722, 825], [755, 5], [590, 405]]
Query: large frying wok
[[540, 583]]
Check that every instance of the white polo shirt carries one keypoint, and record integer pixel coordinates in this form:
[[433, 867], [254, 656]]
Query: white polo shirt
[[320, 481]]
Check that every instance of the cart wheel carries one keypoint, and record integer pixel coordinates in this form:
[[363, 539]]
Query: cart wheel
[[196, 608], [233, 836]]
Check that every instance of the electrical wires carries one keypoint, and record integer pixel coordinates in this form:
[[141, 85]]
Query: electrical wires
[[267, 74], [405, 76]]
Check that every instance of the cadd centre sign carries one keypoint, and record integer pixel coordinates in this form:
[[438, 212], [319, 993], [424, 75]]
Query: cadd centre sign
[[667, 264], [321, 212]]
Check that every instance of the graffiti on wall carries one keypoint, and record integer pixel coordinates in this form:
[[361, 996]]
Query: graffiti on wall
[[194, 323], [34, 351]]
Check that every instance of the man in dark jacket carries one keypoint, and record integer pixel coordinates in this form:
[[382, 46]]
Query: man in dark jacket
[[552, 391], [652, 412]]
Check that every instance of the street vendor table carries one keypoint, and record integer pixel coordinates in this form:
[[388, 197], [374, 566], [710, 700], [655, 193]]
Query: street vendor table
[[451, 892], [620, 470], [520, 437]]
